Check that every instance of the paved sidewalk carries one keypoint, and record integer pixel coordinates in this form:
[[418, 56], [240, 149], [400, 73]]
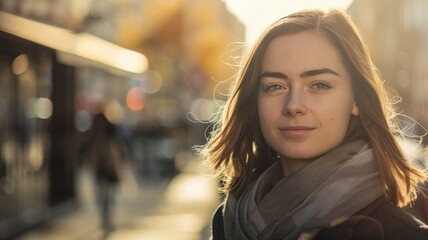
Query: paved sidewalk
[[179, 208]]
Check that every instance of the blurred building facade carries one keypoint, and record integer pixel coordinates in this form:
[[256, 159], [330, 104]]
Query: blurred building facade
[[397, 35], [48, 92], [34, 133]]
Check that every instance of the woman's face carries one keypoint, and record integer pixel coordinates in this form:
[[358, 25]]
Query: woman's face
[[305, 99]]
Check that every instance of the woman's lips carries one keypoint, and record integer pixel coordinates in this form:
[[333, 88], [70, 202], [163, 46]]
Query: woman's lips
[[296, 131]]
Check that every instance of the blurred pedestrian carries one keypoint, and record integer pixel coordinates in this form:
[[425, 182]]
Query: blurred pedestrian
[[307, 141], [105, 161]]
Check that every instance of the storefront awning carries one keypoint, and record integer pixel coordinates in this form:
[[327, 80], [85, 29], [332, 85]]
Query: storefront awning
[[81, 49]]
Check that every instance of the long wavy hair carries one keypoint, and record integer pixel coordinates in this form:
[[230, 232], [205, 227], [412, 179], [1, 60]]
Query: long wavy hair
[[236, 148]]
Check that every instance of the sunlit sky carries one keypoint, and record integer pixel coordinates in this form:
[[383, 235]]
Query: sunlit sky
[[257, 14]]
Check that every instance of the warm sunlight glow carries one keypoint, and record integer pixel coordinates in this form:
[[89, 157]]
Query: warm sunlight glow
[[260, 13]]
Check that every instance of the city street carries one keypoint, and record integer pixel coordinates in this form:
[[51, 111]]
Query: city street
[[107, 109], [177, 208]]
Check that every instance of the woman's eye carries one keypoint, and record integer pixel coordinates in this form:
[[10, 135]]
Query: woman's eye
[[274, 87], [321, 86]]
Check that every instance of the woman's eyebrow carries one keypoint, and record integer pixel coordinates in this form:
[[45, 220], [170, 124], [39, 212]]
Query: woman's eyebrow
[[309, 73], [273, 75], [315, 72]]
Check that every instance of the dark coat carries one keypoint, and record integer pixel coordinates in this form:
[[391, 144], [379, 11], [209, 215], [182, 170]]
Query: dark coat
[[380, 220]]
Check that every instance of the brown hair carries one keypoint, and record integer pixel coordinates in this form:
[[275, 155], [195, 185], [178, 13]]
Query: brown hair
[[237, 149]]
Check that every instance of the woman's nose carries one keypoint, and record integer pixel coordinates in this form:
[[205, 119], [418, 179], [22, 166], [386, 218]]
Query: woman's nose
[[294, 103]]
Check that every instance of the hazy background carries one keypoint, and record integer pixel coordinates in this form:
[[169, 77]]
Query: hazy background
[[159, 69]]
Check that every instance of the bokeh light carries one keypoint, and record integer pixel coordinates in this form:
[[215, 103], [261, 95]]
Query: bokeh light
[[83, 121], [42, 108], [114, 111], [152, 82], [35, 154], [135, 99], [80, 101], [203, 109], [20, 64]]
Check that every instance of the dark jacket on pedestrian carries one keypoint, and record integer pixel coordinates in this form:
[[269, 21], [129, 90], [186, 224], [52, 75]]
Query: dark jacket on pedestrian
[[380, 220]]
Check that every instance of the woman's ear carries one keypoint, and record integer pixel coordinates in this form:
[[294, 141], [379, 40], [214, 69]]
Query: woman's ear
[[355, 110]]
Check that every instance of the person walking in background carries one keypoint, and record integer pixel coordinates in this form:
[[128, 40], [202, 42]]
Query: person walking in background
[[105, 161], [306, 144]]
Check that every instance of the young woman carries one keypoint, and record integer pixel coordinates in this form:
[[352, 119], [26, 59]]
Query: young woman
[[306, 144]]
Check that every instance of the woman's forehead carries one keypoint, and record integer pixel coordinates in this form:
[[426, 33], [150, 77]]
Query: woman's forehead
[[305, 50]]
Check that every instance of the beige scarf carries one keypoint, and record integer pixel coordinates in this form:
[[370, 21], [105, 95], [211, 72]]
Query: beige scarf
[[323, 193]]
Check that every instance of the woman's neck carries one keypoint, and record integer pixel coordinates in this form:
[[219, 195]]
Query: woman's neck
[[290, 166]]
